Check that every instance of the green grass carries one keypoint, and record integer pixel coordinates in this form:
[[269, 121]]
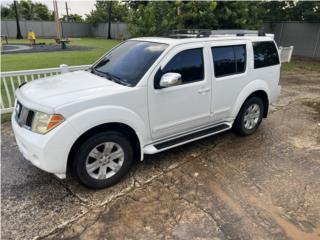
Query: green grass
[[5, 117], [24, 61], [301, 64]]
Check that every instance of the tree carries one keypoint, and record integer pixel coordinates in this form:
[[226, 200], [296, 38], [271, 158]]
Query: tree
[[277, 11], [151, 18], [19, 35], [28, 10], [238, 15], [7, 12], [306, 11], [109, 18], [100, 13], [34, 11], [198, 14], [72, 18]]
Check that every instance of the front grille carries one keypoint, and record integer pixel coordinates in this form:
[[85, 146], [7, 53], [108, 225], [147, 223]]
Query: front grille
[[24, 116]]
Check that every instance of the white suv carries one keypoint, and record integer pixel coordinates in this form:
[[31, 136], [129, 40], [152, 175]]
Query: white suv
[[144, 96]]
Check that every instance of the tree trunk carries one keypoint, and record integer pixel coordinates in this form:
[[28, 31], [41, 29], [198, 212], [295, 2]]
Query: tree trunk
[[109, 20], [19, 35]]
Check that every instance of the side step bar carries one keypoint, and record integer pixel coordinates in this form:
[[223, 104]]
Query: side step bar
[[177, 141]]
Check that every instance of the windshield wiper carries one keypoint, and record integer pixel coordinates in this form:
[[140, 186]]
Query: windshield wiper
[[116, 79], [109, 76]]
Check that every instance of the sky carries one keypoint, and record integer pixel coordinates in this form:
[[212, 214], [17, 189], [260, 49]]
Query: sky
[[80, 7]]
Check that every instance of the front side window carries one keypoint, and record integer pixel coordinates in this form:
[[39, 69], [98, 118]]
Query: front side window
[[265, 54], [229, 60], [128, 62], [189, 63]]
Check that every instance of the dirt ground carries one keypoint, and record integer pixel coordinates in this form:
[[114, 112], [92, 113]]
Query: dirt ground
[[265, 186]]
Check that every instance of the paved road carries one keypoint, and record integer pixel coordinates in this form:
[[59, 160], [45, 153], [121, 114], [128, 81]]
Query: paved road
[[265, 186]]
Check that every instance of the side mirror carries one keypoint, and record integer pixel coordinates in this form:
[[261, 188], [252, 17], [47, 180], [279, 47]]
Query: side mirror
[[170, 79]]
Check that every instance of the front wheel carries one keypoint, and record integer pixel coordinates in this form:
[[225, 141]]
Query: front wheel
[[103, 159], [249, 117]]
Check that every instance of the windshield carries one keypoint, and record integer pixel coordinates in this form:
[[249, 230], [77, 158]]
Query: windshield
[[128, 62]]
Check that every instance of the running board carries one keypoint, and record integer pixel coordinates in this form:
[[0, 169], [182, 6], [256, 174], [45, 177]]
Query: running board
[[177, 141]]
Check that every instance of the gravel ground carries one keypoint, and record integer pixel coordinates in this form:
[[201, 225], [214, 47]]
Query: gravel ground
[[265, 186]]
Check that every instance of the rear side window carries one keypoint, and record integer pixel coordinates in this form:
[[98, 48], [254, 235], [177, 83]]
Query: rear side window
[[229, 60], [265, 54], [189, 63]]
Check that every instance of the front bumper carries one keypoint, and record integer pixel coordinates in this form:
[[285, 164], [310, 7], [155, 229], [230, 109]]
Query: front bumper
[[48, 152]]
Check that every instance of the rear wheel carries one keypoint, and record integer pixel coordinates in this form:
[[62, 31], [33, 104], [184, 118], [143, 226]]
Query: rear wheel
[[249, 117], [103, 159]]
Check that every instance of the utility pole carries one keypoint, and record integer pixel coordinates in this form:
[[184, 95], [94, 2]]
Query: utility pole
[[67, 10], [56, 18], [109, 20], [19, 35]]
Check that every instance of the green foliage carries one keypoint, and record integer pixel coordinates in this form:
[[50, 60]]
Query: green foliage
[[72, 18], [28, 10], [7, 12], [198, 14], [305, 11], [238, 15], [152, 18], [100, 13], [149, 18], [276, 11]]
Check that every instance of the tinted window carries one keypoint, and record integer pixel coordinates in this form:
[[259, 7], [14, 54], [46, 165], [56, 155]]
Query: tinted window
[[189, 64], [229, 60], [265, 54], [128, 62], [224, 61], [240, 55]]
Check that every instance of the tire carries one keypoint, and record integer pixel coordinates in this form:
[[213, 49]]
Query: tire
[[102, 160], [249, 117]]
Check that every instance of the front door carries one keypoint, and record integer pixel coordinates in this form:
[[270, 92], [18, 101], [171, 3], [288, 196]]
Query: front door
[[185, 106]]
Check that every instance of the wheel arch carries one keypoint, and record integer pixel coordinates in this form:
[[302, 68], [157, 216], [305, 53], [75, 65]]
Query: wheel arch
[[114, 126], [264, 97], [257, 88]]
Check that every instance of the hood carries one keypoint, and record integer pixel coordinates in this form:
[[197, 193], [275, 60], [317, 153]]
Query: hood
[[65, 88]]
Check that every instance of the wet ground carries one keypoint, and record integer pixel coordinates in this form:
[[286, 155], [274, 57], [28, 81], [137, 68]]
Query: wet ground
[[265, 186]]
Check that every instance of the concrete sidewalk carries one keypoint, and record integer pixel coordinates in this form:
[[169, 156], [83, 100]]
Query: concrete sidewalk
[[265, 186]]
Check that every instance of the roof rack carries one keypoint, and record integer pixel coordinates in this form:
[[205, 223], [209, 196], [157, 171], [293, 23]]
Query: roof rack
[[238, 32], [200, 33], [186, 33]]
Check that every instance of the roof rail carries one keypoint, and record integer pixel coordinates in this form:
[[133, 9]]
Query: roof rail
[[238, 32], [199, 33], [186, 33]]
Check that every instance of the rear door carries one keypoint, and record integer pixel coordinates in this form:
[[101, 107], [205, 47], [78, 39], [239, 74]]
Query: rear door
[[230, 67]]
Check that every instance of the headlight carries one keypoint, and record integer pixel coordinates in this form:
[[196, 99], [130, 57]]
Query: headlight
[[43, 123]]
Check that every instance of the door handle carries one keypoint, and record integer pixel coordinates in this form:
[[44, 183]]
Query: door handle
[[203, 90]]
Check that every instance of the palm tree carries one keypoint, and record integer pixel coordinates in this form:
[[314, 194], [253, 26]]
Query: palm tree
[[109, 18], [19, 35]]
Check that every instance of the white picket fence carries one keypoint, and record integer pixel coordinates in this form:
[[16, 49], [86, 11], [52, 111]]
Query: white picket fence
[[285, 54], [10, 81]]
